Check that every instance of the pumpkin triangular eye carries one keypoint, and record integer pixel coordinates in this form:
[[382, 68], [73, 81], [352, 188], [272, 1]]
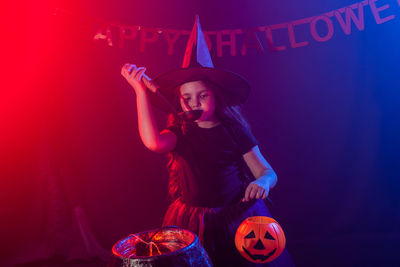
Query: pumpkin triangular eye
[[250, 235], [268, 236]]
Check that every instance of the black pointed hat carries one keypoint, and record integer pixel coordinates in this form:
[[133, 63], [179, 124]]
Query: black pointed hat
[[197, 65]]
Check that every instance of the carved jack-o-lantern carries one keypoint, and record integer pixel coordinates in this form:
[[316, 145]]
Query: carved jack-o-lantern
[[260, 239]]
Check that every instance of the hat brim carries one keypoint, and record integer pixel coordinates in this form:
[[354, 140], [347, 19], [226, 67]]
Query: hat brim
[[234, 87]]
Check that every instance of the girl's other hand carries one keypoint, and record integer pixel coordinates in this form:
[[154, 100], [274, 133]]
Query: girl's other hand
[[134, 76], [256, 190]]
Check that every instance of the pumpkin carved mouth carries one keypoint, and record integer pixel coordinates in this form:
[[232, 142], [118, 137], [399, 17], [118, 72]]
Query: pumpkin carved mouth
[[259, 256]]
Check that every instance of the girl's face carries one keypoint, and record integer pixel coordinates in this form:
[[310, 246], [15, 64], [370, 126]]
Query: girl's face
[[196, 95]]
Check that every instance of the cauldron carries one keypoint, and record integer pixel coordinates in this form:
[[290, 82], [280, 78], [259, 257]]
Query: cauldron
[[167, 246]]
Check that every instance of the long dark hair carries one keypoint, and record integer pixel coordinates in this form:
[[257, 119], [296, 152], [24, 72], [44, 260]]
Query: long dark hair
[[230, 116]]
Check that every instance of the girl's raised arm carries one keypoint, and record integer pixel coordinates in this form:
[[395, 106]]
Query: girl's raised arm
[[148, 130]]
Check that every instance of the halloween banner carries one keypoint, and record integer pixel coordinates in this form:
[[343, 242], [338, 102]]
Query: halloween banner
[[274, 38]]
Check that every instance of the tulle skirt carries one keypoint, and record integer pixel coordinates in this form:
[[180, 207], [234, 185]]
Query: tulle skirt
[[216, 228]]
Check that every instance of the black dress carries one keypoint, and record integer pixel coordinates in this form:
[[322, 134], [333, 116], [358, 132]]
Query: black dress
[[212, 178]]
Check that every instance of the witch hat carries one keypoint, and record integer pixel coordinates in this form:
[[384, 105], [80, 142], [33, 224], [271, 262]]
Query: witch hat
[[197, 65]]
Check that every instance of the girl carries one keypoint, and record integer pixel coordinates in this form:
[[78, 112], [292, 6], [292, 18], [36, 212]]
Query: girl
[[218, 177]]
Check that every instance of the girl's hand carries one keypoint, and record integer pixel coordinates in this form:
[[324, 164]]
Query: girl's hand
[[134, 77], [256, 190]]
